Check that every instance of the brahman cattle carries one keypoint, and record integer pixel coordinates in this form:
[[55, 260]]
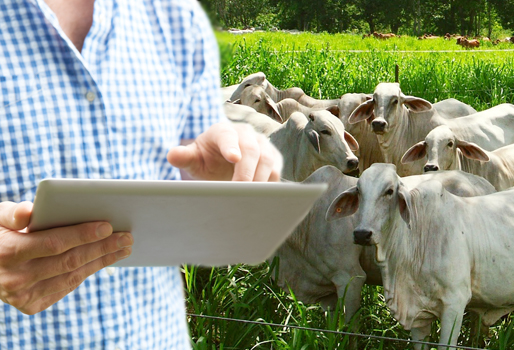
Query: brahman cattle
[[437, 252], [445, 151], [399, 121], [319, 261], [308, 143]]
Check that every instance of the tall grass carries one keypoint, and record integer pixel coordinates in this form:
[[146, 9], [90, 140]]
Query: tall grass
[[482, 78]]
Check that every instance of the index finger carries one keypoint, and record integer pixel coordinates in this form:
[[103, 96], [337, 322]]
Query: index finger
[[26, 246]]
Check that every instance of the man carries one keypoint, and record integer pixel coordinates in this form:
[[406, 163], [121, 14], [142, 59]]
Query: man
[[104, 89]]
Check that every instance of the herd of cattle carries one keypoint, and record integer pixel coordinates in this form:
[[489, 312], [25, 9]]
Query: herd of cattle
[[461, 40], [430, 211]]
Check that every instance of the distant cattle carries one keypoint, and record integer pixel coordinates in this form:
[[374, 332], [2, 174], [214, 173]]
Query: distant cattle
[[384, 36], [464, 42]]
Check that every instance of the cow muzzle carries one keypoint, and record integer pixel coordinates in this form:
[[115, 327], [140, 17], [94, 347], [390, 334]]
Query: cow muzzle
[[362, 237], [352, 164], [430, 167], [379, 126]]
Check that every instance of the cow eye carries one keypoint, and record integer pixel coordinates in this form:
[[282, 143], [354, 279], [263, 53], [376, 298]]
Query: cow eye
[[389, 192], [450, 144], [326, 132], [258, 100], [395, 101]]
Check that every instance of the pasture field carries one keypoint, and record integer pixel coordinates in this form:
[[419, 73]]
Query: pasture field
[[327, 66]]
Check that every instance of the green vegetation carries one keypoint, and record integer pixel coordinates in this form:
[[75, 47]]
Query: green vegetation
[[413, 17], [327, 66]]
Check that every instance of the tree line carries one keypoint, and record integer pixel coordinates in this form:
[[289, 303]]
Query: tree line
[[412, 17]]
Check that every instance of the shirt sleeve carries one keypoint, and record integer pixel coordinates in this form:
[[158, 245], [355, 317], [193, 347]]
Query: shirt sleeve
[[205, 107]]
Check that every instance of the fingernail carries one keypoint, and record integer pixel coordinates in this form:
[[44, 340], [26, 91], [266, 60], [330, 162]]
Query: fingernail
[[103, 230], [235, 151], [122, 254], [125, 241]]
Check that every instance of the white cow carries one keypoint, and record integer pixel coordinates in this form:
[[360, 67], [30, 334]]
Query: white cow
[[437, 252], [233, 92], [243, 114], [444, 151], [399, 121], [319, 261], [308, 143], [258, 95], [369, 149]]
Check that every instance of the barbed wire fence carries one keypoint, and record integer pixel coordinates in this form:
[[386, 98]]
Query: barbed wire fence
[[342, 333]]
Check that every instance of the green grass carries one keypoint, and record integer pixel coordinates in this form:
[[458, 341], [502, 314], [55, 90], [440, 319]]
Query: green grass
[[427, 68], [327, 66]]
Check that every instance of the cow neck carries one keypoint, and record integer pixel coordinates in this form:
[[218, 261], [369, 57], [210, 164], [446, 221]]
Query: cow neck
[[410, 129], [301, 163], [402, 256]]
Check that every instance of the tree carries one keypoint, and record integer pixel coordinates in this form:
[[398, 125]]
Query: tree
[[372, 12], [505, 11]]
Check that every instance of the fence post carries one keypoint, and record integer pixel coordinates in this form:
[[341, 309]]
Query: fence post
[[396, 73]]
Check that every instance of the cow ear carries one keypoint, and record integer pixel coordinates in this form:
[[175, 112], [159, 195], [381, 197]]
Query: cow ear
[[472, 151], [334, 110], [362, 112], [345, 204], [351, 141], [405, 204], [416, 104], [273, 111], [313, 137], [416, 152]]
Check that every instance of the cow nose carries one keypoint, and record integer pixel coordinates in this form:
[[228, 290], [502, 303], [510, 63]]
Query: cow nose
[[362, 237], [430, 167], [378, 126], [352, 164]]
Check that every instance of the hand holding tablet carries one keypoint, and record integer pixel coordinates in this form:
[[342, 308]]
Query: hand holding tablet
[[175, 222]]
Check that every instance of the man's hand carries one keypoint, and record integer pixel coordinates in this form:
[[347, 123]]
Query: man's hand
[[37, 269], [229, 152]]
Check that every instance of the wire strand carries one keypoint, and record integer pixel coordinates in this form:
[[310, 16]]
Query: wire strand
[[370, 336]]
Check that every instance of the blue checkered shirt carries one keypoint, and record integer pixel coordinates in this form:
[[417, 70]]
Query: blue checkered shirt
[[147, 77]]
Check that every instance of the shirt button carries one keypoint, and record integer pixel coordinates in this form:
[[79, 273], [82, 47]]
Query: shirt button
[[110, 270], [90, 96]]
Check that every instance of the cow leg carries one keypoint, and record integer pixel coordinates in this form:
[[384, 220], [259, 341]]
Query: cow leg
[[420, 334], [451, 322]]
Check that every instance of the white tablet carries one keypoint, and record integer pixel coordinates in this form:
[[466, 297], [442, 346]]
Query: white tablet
[[181, 222]]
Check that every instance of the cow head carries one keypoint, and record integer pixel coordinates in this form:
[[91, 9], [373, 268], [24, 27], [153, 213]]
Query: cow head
[[377, 199], [387, 108], [441, 148], [256, 97], [258, 78], [332, 143]]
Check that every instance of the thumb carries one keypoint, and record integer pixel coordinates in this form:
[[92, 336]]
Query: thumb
[[15, 216]]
